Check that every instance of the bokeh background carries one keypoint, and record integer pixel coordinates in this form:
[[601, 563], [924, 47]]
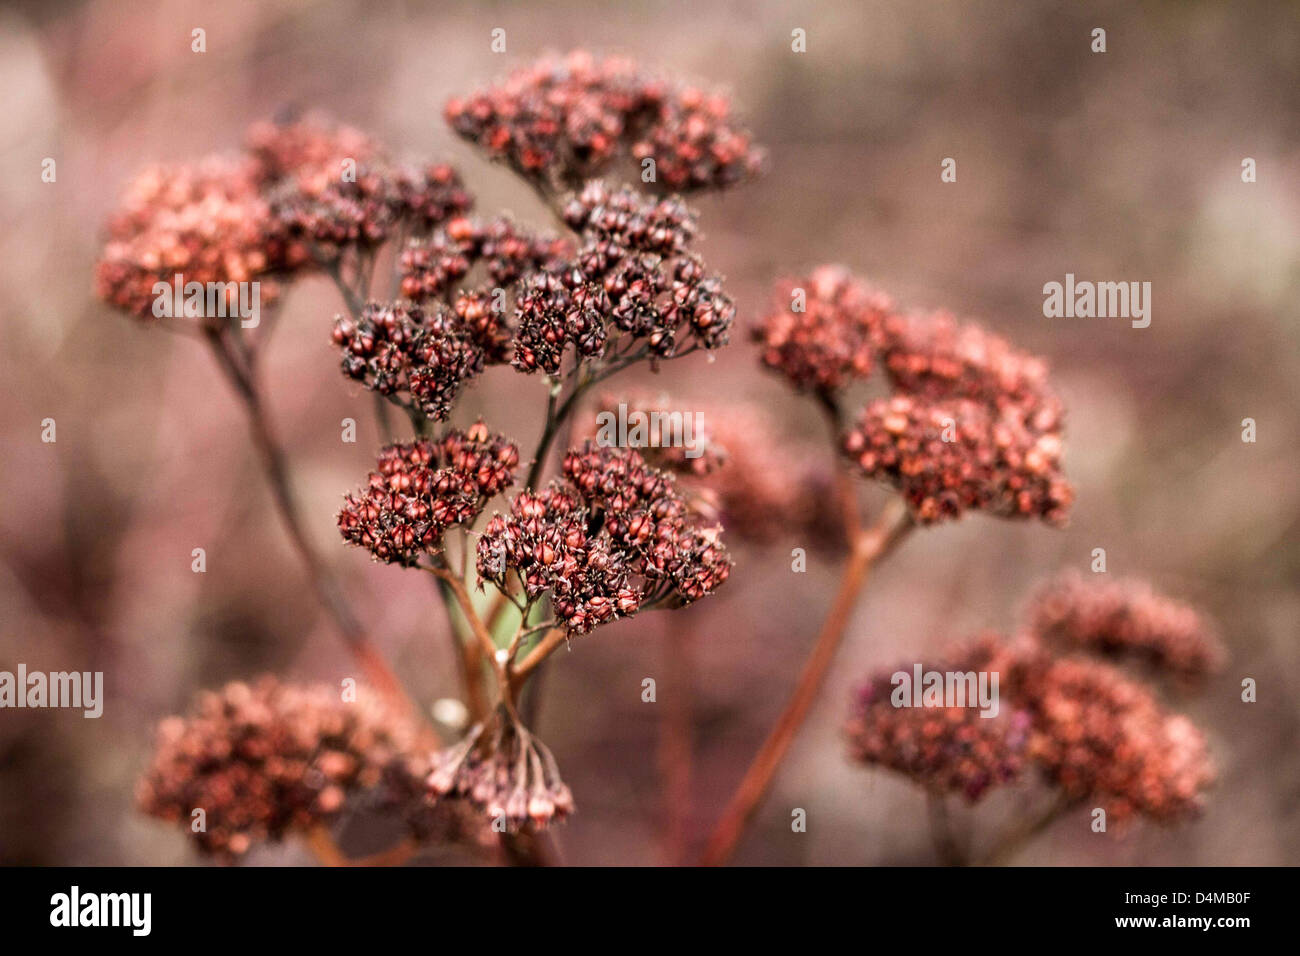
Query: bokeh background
[[1122, 165]]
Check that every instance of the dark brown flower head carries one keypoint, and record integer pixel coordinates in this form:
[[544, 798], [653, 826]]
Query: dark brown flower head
[[269, 759], [417, 357], [949, 457], [1126, 619], [833, 341], [945, 749], [507, 251], [1098, 736], [561, 121], [332, 188], [509, 775], [614, 537], [421, 489], [632, 290], [206, 221]]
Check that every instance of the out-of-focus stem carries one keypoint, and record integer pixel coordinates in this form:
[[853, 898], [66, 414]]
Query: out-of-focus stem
[[945, 844], [867, 548], [675, 743], [1023, 831], [275, 465]]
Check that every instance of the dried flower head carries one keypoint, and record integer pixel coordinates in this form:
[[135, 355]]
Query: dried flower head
[[332, 188], [269, 759], [632, 291], [560, 121], [1126, 619], [1090, 733], [206, 221], [421, 489], [1099, 736], [937, 358], [949, 457], [510, 776], [614, 537], [833, 339], [416, 357], [506, 249], [941, 748]]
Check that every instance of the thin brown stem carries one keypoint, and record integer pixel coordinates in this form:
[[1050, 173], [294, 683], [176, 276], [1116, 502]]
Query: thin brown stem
[[945, 843], [1023, 830], [867, 549], [533, 659], [275, 465]]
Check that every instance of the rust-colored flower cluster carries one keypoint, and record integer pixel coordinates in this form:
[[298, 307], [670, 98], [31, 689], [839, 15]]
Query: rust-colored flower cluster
[[1126, 619], [416, 357], [301, 193], [422, 488], [632, 291], [1090, 732], [614, 537], [268, 759], [972, 425], [332, 188], [507, 251], [1099, 736], [207, 221], [563, 120], [824, 330], [943, 749], [509, 775]]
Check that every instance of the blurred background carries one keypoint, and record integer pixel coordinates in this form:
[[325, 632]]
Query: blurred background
[[1122, 165]]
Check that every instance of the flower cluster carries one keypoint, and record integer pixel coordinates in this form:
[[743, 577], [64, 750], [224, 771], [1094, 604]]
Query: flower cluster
[[633, 290], [510, 776], [426, 354], [268, 759], [421, 489], [560, 121], [1101, 736], [301, 192], [943, 749], [207, 221], [1090, 733], [950, 457], [332, 188], [614, 537], [507, 250], [824, 330], [1126, 618]]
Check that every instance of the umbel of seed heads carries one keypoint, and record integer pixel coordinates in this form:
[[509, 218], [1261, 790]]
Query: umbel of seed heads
[[971, 423], [610, 539], [942, 749], [268, 759], [509, 775], [283, 205], [1126, 619], [563, 120], [1087, 730], [332, 188], [632, 290], [422, 488], [416, 357]]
